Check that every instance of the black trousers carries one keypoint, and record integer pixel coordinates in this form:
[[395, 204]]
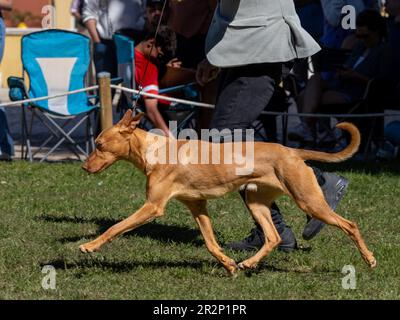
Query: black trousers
[[243, 94], [105, 57]]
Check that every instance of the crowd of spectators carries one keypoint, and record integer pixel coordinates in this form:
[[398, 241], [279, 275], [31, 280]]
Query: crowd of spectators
[[371, 68], [373, 49]]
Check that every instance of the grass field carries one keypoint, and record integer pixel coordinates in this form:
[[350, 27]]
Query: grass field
[[47, 210]]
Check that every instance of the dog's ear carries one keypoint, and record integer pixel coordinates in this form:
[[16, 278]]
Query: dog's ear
[[129, 123], [126, 119]]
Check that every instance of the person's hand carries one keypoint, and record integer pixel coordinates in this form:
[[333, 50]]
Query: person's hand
[[206, 72], [174, 63]]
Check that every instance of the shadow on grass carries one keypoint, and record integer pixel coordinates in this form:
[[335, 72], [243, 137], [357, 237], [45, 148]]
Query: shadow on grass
[[154, 230], [86, 264], [122, 266]]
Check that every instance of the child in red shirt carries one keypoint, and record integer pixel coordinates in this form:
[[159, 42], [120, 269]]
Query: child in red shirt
[[146, 76]]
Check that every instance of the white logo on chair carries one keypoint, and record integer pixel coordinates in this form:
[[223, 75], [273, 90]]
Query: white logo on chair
[[57, 74]]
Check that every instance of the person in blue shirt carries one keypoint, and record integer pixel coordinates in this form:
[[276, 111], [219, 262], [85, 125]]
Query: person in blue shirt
[[6, 142]]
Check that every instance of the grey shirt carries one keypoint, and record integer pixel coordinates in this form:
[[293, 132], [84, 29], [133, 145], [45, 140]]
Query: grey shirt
[[257, 31]]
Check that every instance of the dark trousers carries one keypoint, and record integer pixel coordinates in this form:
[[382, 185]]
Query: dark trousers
[[105, 57], [243, 94]]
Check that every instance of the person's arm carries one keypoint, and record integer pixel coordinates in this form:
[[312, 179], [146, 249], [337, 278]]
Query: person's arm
[[89, 17], [91, 25], [155, 116], [75, 9], [6, 5]]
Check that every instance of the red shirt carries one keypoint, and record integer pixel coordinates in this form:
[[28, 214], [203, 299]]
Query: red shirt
[[146, 73], [146, 76]]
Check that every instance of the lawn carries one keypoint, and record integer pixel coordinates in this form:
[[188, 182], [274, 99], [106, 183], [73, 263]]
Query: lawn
[[48, 210]]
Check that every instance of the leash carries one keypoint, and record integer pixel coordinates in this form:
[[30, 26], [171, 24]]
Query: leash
[[139, 94]]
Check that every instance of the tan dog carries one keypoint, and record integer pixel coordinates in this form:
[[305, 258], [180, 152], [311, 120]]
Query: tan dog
[[278, 170]]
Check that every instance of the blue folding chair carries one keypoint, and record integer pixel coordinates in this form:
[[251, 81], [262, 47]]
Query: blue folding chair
[[125, 48], [185, 115], [56, 61]]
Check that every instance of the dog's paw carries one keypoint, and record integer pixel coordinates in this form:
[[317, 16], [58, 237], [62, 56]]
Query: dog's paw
[[88, 248], [372, 263], [247, 265], [232, 268]]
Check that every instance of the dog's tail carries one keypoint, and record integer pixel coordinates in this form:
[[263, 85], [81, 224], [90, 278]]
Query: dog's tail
[[345, 154]]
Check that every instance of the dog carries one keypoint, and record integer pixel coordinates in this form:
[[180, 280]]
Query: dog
[[278, 170]]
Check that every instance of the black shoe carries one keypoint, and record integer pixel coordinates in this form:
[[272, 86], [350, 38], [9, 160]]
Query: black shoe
[[334, 188], [256, 240]]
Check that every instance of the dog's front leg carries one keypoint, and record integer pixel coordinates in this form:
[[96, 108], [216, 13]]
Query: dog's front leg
[[198, 209], [145, 214]]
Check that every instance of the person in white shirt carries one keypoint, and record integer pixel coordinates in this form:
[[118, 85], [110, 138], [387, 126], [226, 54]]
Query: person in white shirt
[[103, 18]]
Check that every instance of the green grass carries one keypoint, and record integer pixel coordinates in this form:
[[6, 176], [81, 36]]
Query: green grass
[[47, 210]]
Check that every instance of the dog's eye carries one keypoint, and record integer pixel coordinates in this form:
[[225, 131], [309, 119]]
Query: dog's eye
[[99, 146]]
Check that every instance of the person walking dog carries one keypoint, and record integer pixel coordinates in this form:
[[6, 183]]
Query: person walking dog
[[249, 41]]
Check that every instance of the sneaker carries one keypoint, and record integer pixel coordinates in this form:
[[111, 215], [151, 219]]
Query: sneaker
[[302, 133], [256, 240], [334, 189]]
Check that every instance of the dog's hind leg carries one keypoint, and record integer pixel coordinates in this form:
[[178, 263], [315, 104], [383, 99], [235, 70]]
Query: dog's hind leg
[[198, 209], [304, 189], [258, 205], [145, 214]]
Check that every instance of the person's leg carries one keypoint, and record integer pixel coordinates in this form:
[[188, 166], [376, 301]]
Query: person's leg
[[104, 57], [256, 239], [308, 101], [6, 142], [243, 94]]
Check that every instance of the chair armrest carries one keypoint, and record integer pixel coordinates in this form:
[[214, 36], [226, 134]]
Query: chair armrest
[[117, 80], [175, 88], [17, 89]]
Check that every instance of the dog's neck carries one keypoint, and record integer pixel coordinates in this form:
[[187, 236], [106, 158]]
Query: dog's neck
[[138, 147]]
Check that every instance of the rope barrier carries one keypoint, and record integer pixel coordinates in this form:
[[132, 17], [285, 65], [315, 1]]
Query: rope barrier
[[199, 104], [272, 113], [20, 102], [157, 96]]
